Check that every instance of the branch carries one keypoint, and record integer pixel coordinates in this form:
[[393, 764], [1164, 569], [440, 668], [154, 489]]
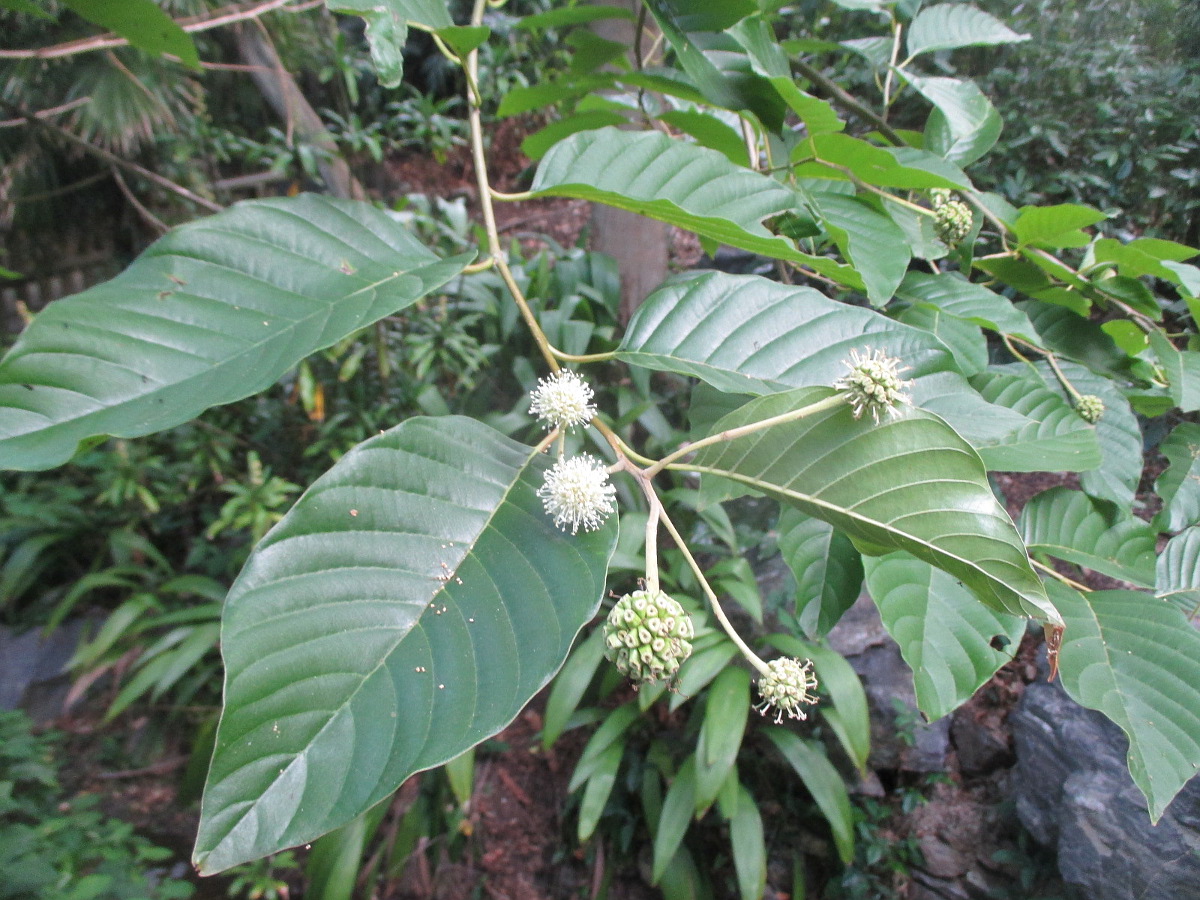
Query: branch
[[847, 100], [191, 25]]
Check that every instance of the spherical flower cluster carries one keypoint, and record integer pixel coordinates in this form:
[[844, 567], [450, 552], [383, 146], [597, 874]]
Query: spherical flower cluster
[[952, 218], [577, 493], [874, 384], [563, 400], [1090, 408], [787, 685], [647, 636]]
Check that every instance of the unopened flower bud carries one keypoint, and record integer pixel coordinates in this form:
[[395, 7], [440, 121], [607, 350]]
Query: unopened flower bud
[[952, 221], [1090, 408], [647, 636]]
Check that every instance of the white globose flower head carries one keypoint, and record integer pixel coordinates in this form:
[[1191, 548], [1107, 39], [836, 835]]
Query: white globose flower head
[[577, 493], [874, 384], [786, 686], [563, 400]]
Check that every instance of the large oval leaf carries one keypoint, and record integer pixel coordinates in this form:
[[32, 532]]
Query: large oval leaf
[[948, 26], [215, 311], [1137, 660], [1179, 485], [909, 483], [409, 605], [944, 635], [1178, 572], [827, 568], [1067, 525], [680, 183]]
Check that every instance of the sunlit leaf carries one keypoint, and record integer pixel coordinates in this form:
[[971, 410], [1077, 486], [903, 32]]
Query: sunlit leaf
[[949, 26]]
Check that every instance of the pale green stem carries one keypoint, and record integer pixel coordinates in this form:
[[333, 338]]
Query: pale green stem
[[544, 444], [1062, 378], [482, 266], [753, 658], [1069, 582], [583, 357], [475, 120], [730, 434], [510, 198], [622, 449], [751, 141], [897, 29], [859, 183]]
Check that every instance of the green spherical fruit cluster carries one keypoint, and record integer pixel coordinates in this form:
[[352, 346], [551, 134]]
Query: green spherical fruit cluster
[[952, 221], [647, 636], [1090, 408], [786, 686]]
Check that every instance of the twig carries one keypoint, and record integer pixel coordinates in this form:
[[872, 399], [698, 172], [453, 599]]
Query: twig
[[107, 41], [153, 220], [47, 113], [847, 100]]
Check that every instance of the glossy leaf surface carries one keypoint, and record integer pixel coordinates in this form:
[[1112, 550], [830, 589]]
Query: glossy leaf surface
[[407, 608], [909, 483], [827, 568], [944, 635], [1178, 572], [1137, 660], [215, 311]]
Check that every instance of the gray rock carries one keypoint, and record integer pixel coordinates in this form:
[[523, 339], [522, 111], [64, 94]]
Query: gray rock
[[1074, 793], [900, 738], [33, 672]]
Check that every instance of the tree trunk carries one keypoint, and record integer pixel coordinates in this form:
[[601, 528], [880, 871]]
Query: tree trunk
[[280, 90], [640, 246]]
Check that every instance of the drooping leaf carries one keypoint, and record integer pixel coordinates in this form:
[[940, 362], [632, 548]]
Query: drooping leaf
[[869, 240], [1056, 439], [387, 29], [958, 297], [1178, 573], [725, 714], [215, 311], [1072, 335], [827, 568], [945, 636], [964, 338], [949, 26], [141, 22], [409, 605], [709, 131], [964, 125], [677, 810], [1067, 525], [1179, 484], [809, 761], [1137, 660], [680, 183], [748, 846], [1143, 256], [909, 483]]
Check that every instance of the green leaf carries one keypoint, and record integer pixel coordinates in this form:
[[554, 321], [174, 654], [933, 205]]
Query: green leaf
[[676, 815], [599, 787], [749, 847], [964, 124], [332, 868], [910, 483], [387, 29], [894, 167], [1056, 226], [537, 96], [944, 634], [1178, 573], [709, 131], [610, 732], [1179, 485], [215, 311], [1073, 335], [869, 240], [827, 568], [955, 295], [536, 145], [705, 664], [745, 334], [725, 714], [28, 7], [822, 780], [950, 26], [1143, 256], [1056, 437], [1117, 433], [574, 15], [462, 39], [141, 22], [1067, 525], [570, 685], [1183, 371], [965, 339], [1137, 660], [680, 183], [407, 608]]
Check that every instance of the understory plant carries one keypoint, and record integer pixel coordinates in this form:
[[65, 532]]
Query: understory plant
[[920, 334]]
